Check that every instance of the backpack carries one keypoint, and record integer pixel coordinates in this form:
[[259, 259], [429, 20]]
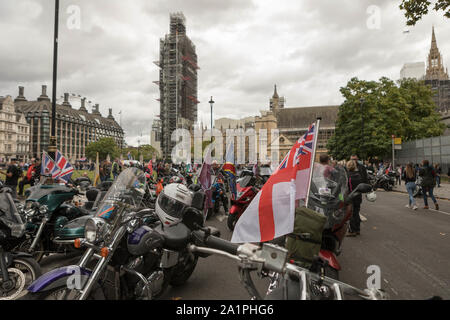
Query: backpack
[[354, 179], [304, 243]]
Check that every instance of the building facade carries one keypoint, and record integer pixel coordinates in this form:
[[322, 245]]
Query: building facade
[[75, 128], [177, 82], [155, 135], [14, 132], [414, 70], [287, 126]]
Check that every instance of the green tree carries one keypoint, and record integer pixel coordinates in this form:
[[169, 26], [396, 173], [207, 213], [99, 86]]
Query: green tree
[[103, 146], [146, 150], [405, 110], [416, 9]]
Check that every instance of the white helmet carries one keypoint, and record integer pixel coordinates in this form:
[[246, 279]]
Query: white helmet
[[172, 202], [372, 196]]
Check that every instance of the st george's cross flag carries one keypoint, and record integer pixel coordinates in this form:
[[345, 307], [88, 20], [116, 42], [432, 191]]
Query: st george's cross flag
[[271, 213]]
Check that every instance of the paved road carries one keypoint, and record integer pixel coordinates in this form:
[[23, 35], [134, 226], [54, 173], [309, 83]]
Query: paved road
[[411, 248]]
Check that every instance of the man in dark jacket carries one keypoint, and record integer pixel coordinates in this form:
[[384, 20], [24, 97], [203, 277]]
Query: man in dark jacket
[[361, 169], [13, 174], [428, 175]]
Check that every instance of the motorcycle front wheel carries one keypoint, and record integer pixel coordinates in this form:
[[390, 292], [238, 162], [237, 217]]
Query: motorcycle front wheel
[[38, 252], [21, 274], [181, 276]]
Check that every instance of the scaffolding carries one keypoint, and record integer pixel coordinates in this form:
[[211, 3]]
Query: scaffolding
[[177, 82]]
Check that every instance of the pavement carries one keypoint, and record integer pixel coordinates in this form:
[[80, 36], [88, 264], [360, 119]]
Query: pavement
[[409, 248], [442, 192]]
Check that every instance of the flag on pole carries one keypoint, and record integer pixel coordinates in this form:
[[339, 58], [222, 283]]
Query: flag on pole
[[230, 169], [97, 171], [271, 213], [64, 166], [205, 179], [150, 167], [49, 166]]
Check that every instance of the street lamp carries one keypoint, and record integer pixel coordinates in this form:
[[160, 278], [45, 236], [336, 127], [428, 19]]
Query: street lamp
[[362, 128], [52, 146], [211, 102]]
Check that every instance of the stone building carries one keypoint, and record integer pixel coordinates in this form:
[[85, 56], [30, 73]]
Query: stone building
[[14, 132], [291, 123], [75, 128]]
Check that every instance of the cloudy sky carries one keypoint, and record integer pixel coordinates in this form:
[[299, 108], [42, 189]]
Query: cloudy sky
[[309, 48]]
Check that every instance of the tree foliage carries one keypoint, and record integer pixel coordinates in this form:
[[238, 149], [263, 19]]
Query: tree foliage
[[416, 9], [103, 146], [146, 150], [405, 110]]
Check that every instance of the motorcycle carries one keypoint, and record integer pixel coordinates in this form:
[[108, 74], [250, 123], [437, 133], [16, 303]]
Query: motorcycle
[[246, 190], [418, 190], [293, 281], [47, 210], [329, 196], [135, 260], [384, 181], [218, 196], [17, 269]]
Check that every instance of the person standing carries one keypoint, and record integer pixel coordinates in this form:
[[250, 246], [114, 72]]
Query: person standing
[[398, 175], [115, 168], [354, 179], [428, 174], [362, 169], [13, 175], [409, 175], [438, 170], [27, 179]]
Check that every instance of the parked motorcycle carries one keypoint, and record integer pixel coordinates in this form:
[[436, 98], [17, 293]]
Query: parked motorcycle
[[329, 195], [246, 190], [384, 181], [135, 260], [17, 269], [418, 191], [47, 210], [218, 196]]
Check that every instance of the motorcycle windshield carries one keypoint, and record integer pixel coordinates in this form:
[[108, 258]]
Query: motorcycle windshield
[[246, 181], [329, 187], [44, 190], [265, 171], [127, 192]]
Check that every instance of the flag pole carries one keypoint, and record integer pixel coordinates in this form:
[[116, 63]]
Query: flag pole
[[316, 136]]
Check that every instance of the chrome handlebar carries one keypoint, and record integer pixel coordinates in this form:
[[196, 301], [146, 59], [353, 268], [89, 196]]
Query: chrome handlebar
[[272, 258]]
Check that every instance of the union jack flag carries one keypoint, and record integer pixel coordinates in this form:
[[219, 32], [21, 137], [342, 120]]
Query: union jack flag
[[64, 166], [49, 166]]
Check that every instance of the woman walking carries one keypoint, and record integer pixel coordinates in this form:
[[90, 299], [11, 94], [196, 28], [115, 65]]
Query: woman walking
[[409, 175]]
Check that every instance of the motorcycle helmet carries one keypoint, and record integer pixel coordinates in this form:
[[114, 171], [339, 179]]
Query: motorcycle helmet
[[372, 196], [172, 202]]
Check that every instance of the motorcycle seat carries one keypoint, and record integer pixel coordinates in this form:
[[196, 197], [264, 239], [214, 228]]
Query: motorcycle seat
[[175, 237]]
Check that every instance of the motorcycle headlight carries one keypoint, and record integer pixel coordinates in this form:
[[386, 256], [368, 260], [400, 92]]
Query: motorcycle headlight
[[93, 228], [43, 209]]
